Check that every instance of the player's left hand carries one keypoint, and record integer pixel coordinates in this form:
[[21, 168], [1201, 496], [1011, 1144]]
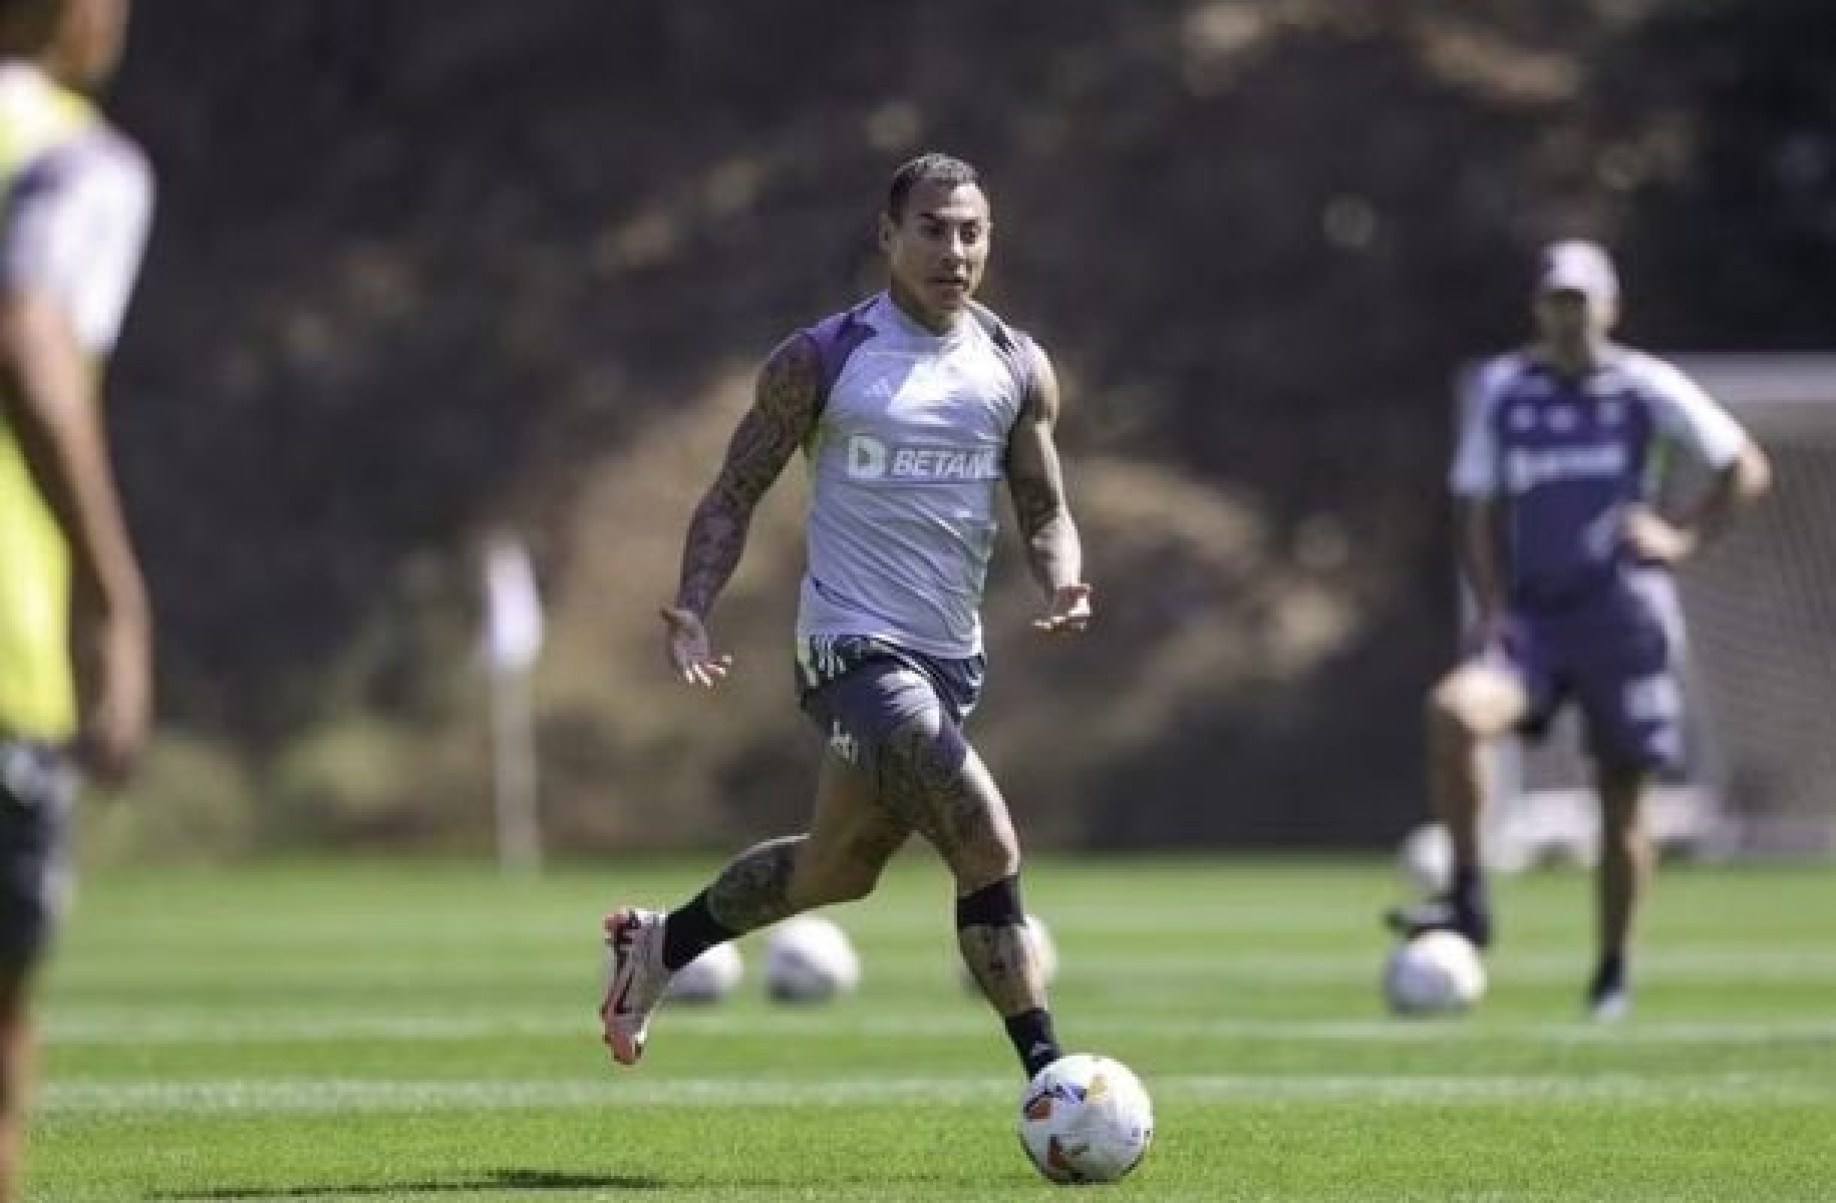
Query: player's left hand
[[1070, 610], [1653, 539], [689, 650]]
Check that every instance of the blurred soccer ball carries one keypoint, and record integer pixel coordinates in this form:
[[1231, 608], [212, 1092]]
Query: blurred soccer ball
[[1086, 1118], [1044, 948], [810, 959], [1435, 973], [708, 978], [1426, 858]]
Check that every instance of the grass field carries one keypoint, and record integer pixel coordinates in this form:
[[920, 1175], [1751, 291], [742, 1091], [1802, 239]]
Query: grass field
[[409, 1032]]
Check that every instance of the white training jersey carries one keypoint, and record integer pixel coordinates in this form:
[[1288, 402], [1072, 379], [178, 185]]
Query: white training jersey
[[77, 211], [905, 464]]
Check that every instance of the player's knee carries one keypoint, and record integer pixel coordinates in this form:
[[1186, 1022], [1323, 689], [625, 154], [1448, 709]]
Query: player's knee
[[853, 882], [1460, 710], [996, 904], [984, 863], [823, 880]]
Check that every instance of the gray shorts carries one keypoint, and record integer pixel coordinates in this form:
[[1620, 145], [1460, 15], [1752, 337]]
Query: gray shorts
[[859, 690], [38, 790]]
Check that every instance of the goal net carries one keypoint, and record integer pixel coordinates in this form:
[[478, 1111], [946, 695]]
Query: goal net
[[1760, 667]]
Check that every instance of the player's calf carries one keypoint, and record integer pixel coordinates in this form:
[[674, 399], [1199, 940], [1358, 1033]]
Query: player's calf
[[991, 932]]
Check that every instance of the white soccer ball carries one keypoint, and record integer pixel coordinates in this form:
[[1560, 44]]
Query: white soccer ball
[[1086, 1118], [708, 978], [810, 959], [1435, 973], [1044, 948], [1426, 858]]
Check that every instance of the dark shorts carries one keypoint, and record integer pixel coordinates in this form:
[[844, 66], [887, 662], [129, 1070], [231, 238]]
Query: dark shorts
[[38, 790], [1615, 655], [858, 691]]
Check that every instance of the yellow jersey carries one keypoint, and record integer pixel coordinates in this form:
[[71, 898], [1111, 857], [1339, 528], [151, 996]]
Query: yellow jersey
[[75, 205]]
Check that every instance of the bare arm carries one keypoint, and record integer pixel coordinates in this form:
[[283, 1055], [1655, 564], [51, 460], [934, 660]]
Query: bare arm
[[1482, 557], [784, 411], [1036, 482], [50, 399], [1734, 489]]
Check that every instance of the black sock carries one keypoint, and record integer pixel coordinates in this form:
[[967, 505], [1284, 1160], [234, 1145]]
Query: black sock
[[1468, 886], [1031, 1032], [1610, 974], [691, 930]]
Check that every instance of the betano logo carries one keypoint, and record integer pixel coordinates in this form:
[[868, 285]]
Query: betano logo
[[871, 459], [1528, 467]]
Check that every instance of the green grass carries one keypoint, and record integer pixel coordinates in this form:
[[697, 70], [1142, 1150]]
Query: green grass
[[383, 1031]]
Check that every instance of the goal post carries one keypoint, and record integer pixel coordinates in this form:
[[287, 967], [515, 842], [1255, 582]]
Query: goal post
[[1761, 605]]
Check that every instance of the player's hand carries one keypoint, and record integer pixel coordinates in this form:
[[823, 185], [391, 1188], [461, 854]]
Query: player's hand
[[1070, 610], [119, 713], [1652, 539], [686, 644]]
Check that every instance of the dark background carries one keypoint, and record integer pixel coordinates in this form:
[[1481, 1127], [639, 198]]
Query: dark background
[[426, 266]]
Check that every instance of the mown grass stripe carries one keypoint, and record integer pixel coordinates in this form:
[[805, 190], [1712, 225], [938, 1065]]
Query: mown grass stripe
[[102, 1028], [253, 1095]]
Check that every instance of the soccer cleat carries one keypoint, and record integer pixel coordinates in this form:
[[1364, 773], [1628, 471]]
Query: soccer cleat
[[1444, 912], [1609, 1006], [1609, 998], [635, 980]]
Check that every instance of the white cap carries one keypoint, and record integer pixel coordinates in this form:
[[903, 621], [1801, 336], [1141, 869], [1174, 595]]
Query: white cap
[[1576, 265]]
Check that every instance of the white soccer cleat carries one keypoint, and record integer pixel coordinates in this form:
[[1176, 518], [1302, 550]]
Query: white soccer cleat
[[635, 980], [1610, 1008]]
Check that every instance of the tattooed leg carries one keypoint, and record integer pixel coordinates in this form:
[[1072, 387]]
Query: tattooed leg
[[753, 889], [1004, 964], [934, 780], [851, 838]]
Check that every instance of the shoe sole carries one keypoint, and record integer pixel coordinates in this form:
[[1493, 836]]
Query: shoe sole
[[621, 929], [1408, 927]]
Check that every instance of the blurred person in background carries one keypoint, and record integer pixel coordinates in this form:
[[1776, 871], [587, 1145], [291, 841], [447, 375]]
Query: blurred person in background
[[1569, 565], [910, 409], [75, 637]]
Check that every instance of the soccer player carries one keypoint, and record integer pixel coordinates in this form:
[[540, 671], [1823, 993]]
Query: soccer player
[[75, 641], [910, 409], [1569, 566]]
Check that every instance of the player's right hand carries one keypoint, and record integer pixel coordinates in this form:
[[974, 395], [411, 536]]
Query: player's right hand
[[686, 644], [118, 716]]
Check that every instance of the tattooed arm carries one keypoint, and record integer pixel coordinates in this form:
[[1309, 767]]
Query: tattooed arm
[[1038, 488], [784, 410]]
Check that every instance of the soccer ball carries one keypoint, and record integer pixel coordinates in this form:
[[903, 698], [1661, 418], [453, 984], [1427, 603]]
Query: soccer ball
[[1086, 1118], [708, 978], [809, 959], [1044, 948], [1434, 973]]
